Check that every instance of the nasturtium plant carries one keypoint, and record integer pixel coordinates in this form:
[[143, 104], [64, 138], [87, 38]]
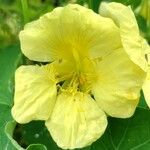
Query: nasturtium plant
[[82, 81]]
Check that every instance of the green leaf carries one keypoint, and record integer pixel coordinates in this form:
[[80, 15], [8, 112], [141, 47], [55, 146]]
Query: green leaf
[[126, 134], [9, 59], [9, 129], [36, 147], [5, 116]]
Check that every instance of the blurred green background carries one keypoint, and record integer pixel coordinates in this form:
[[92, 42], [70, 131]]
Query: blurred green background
[[14, 14]]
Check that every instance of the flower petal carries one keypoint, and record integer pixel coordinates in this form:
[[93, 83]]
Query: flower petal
[[76, 121], [36, 42], [147, 51], [124, 17], [146, 85], [146, 89], [68, 33], [117, 89], [35, 93]]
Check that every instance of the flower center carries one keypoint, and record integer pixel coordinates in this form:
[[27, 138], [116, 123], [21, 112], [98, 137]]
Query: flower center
[[80, 76]]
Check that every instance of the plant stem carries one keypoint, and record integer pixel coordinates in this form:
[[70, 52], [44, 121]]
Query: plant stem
[[90, 2], [25, 11]]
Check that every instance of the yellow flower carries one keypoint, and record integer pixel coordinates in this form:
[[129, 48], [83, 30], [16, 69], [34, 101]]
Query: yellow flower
[[97, 68]]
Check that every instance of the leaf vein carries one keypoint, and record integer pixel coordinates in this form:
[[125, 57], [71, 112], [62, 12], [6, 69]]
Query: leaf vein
[[114, 147], [134, 148], [123, 136]]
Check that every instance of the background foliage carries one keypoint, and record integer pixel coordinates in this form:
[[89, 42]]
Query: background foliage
[[121, 134]]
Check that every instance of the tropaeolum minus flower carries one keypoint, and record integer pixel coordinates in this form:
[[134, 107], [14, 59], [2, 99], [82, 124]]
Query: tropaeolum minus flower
[[97, 69]]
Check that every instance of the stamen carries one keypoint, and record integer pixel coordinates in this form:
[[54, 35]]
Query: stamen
[[74, 81], [64, 77]]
